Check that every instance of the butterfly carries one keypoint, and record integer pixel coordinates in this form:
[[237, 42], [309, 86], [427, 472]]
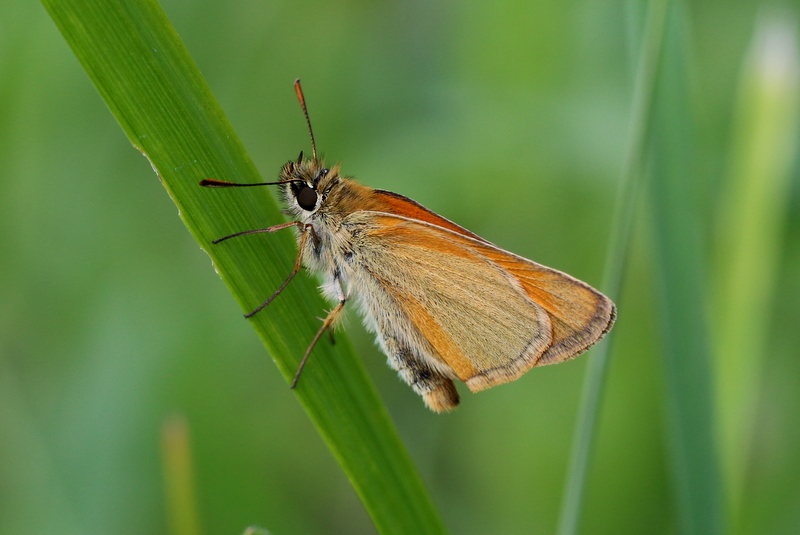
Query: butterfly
[[444, 303]]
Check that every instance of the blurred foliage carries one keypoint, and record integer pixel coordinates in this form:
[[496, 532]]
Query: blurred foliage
[[510, 118]]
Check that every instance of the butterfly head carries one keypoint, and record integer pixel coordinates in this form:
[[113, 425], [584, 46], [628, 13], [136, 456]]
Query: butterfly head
[[306, 184]]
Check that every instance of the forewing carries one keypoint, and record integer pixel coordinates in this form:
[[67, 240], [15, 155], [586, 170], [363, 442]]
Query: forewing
[[490, 315]]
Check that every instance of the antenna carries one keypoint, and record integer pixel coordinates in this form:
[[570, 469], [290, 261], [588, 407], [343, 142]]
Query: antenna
[[302, 100], [214, 183]]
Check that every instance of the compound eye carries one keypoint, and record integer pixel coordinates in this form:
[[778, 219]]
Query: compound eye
[[307, 198]]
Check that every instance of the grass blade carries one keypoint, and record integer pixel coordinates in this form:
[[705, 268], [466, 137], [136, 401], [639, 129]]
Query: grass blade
[[594, 380], [151, 85], [678, 231]]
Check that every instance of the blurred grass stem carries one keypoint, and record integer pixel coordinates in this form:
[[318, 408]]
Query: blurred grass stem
[[627, 195], [753, 209], [178, 477], [679, 237]]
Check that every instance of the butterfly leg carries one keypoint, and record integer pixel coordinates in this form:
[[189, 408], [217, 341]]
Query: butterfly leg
[[436, 389], [326, 324], [306, 230]]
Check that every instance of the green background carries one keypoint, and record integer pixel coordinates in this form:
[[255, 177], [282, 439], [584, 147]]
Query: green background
[[510, 118]]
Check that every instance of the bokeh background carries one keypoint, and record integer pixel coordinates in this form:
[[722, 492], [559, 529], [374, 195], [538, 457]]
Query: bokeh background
[[511, 118]]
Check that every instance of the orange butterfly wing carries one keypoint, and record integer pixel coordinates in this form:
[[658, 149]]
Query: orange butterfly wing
[[467, 283], [580, 315], [488, 314]]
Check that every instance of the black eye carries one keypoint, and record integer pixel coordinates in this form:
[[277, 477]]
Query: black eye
[[307, 198]]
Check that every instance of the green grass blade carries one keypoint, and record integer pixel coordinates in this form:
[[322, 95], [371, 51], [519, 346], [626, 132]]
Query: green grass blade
[[678, 231], [148, 80], [753, 209], [627, 195]]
